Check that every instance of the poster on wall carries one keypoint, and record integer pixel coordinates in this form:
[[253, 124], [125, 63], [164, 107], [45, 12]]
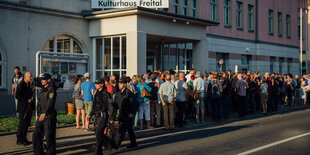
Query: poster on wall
[[64, 68], [72, 68], [46, 66], [81, 68], [55, 67]]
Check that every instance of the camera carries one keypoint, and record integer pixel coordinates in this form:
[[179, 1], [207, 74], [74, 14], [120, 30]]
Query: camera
[[56, 82]]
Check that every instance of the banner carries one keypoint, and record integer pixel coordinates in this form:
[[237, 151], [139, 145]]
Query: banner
[[105, 4]]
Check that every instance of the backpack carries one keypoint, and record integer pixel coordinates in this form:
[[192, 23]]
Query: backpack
[[77, 94], [215, 91]]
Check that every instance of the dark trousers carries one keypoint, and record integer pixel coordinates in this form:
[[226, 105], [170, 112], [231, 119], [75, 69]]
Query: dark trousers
[[125, 125], [47, 128], [180, 113], [168, 109], [252, 102], [242, 105], [24, 122], [226, 106], [216, 108], [101, 138]]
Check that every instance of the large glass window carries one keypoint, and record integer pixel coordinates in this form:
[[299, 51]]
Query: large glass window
[[280, 24], [272, 61], [221, 62], [281, 60], [177, 57], [270, 21], [250, 17], [213, 10], [175, 6], [227, 12], [289, 62], [239, 15], [111, 57], [64, 44], [288, 26]]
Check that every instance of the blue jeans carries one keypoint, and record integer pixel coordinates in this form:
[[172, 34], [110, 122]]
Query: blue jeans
[[217, 105]]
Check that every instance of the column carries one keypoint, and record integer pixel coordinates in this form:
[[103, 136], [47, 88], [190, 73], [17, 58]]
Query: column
[[136, 53], [200, 55]]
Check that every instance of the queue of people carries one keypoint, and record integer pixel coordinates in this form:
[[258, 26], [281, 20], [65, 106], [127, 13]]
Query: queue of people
[[167, 99]]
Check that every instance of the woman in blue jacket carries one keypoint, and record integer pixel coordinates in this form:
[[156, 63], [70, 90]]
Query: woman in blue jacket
[[144, 103]]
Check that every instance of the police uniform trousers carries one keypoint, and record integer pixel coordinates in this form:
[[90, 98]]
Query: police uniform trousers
[[126, 126], [24, 122], [48, 128], [101, 138]]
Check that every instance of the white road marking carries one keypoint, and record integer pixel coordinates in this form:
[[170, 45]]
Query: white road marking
[[273, 144]]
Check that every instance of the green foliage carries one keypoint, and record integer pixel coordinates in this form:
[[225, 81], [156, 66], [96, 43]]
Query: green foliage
[[10, 124]]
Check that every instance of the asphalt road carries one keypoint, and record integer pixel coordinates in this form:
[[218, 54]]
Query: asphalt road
[[261, 135]]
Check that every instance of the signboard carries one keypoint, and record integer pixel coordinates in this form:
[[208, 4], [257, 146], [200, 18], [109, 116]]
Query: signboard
[[106, 4]]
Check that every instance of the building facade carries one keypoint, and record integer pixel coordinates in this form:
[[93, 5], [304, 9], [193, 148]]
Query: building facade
[[260, 35]]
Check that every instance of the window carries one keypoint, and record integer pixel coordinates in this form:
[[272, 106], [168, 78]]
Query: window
[[272, 61], [111, 57], [213, 10], [221, 57], [288, 26], [280, 24], [227, 13], [177, 57], [239, 19], [64, 44], [175, 6], [289, 61], [270, 22], [281, 66], [184, 7], [194, 8], [250, 17]]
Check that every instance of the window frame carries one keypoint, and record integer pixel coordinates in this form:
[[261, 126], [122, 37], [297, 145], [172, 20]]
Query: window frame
[[184, 7], [239, 12], [213, 10], [280, 24], [227, 13], [250, 17], [270, 22], [194, 8], [288, 26], [55, 41], [175, 5]]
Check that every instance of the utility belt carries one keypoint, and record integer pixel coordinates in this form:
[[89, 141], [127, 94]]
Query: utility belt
[[101, 114]]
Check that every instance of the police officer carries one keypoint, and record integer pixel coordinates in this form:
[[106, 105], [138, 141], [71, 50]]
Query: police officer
[[100, 108], [127, 109], [24, 96], [46, 123]]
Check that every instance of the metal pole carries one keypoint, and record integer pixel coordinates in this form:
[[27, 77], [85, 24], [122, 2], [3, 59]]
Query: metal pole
[[300, 50]]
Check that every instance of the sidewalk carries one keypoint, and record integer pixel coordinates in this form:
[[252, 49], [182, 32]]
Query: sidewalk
[[70, 140]]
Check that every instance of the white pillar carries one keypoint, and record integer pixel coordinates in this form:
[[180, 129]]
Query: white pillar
[[136, 53], [200, 55]]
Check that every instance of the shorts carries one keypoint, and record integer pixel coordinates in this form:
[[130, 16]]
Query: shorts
[[79, 104], [88, 107], [264, 97], [200, 103], [144, 109]]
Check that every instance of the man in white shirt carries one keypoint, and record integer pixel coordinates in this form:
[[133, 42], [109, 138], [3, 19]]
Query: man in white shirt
[[188, 76], [201, 86]]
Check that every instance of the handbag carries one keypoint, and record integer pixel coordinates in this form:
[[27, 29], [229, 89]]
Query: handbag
[[145, 93], [196, 95]]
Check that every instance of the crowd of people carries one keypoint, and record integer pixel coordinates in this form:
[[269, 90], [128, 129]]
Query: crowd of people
[[167, 99]]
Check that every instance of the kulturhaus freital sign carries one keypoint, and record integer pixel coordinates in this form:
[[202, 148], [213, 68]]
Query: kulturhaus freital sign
[[130, 3]]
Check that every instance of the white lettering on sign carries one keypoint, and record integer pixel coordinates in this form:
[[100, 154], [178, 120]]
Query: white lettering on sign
[[105, 4]]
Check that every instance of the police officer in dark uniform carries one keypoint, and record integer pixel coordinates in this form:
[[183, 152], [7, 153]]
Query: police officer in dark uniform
[[100, 108], [24, 95], [46, 123], [127, 109]]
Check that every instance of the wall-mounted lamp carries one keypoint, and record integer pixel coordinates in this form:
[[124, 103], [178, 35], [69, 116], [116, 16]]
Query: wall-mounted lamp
[[174, 20]]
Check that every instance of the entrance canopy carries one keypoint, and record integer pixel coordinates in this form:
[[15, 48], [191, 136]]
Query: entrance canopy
[[145, 28]]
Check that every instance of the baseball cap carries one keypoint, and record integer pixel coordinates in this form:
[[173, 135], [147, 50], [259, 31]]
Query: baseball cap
[[86, 75], [45, 76], [99, 81]]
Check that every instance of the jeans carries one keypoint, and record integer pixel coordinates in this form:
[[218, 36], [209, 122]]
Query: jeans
[[216, 104], [144, 108]]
